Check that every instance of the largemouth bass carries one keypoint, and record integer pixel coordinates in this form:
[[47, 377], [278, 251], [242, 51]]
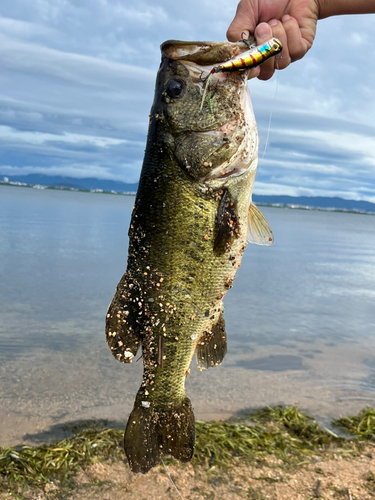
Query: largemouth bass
[[192, 218]]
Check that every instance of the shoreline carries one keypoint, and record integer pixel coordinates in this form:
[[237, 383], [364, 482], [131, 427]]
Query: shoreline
[[37, 405], [288, 206]]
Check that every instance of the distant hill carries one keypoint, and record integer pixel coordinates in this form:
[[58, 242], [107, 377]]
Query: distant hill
[[92, 184], [89, 184], [325, 203]]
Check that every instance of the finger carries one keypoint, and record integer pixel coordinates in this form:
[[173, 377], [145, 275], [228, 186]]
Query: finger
[[297, 46], [244, 20], [253, 73], [263, 33], [278, 31]]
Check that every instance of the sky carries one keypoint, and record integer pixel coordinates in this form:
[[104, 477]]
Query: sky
[[77, 81]]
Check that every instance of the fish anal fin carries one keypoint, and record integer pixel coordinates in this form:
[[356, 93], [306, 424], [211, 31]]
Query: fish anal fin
[[122, 329], [227, 225], [212, 347], [259, 231], [154, 431]]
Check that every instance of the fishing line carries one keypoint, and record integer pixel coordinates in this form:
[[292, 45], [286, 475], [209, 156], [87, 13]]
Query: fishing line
[[171, 480], [272, 108], [206, 84]]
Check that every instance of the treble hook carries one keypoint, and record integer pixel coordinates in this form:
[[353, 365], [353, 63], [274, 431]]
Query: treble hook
[[246, 41], [203, 79]]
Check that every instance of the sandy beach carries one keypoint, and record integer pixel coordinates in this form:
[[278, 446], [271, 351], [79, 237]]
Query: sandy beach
[[332, 479], [290, 458]]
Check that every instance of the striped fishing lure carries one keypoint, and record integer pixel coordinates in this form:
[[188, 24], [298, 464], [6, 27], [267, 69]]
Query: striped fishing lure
[[249, 59]]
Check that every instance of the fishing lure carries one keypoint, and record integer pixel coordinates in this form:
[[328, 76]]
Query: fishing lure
[[248, 60], [252, 58]]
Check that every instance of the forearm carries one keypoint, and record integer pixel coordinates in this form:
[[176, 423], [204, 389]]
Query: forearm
[[328, 8]]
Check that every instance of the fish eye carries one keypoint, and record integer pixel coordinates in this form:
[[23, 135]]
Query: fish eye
[[175, 88]]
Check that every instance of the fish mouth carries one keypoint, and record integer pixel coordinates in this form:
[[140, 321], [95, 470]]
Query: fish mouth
[[203, 53], [200, 57]]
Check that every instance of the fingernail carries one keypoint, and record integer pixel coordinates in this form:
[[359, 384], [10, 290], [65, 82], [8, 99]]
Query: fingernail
[[263, 30], [245, 34], [285, 18], [273, 22]]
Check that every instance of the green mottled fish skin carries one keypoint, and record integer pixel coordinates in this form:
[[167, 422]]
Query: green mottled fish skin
[[186, 239]]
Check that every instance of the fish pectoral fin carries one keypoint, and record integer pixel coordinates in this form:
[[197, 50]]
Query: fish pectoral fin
[[154, 431], [259, 231], [212, 347], [122, 329], [227, 225]]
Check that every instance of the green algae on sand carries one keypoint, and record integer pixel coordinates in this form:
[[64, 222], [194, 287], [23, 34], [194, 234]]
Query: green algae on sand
[[284, 432]]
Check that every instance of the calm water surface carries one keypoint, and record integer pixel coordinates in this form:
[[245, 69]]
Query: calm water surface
[[300, 318]]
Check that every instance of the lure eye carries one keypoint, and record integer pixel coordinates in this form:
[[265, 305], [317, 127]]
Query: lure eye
[[175, 88], [275, 47]]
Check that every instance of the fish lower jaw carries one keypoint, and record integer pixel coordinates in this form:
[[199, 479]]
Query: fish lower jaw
[[235, 170]]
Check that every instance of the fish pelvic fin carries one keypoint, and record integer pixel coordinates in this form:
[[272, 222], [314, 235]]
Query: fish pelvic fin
[[122, 329], [259, 231], [153, 431], [212, 347]]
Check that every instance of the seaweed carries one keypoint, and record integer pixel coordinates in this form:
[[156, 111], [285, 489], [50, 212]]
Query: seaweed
[[30, 466], [362, 425], [284, 432]]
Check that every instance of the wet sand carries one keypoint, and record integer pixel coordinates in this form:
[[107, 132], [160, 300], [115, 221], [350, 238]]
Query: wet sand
[[48, 392]]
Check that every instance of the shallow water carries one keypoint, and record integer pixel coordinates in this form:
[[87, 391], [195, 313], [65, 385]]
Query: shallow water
[[300, 318]]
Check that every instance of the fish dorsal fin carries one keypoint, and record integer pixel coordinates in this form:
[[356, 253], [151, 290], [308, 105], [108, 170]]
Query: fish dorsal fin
[[259, 231], [212, 347]]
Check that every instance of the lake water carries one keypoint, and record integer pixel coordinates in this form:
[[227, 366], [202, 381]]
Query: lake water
[[300, 318]]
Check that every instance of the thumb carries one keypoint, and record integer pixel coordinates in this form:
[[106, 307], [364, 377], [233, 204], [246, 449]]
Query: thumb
[[263, 33]]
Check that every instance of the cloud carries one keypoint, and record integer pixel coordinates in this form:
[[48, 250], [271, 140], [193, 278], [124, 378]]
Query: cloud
[[70, 68], [9, 134], [77, 84], [23, 29], [350, 144], [78, 170]]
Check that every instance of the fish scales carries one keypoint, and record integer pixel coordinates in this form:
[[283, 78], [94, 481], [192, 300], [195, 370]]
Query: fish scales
[[187, 235]]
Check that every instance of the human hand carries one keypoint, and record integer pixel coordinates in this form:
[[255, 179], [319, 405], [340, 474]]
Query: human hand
[[293, 22]]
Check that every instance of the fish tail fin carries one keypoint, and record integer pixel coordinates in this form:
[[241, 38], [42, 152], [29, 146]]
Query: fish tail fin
[[153, 431]]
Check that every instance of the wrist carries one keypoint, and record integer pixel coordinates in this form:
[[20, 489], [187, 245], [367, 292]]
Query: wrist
[[319, 8], [328, 8]]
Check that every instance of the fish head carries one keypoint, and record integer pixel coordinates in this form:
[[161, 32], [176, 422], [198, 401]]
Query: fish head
[[214, 139]]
